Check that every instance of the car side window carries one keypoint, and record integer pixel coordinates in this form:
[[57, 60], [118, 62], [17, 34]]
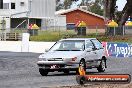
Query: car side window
[[89, 44], [97, 44]]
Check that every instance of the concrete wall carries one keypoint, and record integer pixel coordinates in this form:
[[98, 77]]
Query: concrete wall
[[111, 48], [16, 46]]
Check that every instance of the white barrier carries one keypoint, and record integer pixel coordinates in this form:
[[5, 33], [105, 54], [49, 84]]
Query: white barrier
[[16, 46], [25, 42]]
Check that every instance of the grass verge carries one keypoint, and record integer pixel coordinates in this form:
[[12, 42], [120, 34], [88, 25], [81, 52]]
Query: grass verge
[[57, 35]]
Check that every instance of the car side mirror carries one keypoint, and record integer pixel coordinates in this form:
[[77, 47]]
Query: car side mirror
[[46, 50], [89, 49]]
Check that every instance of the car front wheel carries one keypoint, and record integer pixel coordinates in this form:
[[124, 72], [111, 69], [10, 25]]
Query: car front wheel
[[43, 72]]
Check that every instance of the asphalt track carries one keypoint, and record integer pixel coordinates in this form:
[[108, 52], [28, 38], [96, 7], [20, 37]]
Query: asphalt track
[[19, 70]]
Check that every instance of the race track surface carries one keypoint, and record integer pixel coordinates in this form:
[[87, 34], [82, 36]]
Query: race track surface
[[19, 70]]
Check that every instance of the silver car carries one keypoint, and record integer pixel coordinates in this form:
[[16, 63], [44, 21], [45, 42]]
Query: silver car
[[67, 54]]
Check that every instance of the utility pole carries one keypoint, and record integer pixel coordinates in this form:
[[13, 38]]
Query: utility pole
[[28, 13]]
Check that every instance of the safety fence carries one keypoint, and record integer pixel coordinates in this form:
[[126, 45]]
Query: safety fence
[[10, 36], [60, 31]]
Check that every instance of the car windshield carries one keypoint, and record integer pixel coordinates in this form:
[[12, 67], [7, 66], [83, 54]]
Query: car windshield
[[69, 45]]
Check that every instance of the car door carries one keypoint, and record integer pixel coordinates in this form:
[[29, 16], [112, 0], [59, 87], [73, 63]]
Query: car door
[[98, 48], [90, 55]]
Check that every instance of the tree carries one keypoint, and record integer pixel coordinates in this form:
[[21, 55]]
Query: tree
[[67, 4], [123, 15], [59, 6], [93, 6], [126, 12], [97, 8], [109, 6]]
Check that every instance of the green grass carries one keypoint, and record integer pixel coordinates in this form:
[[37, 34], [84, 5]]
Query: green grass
[[57, 35], [46, 36], [51, 35]]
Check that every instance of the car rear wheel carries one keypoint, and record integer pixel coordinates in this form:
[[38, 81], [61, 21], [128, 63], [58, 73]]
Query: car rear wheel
[[101, 67], [43, 72]]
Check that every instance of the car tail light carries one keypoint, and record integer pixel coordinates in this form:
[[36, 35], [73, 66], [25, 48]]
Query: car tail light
[[73, 59]]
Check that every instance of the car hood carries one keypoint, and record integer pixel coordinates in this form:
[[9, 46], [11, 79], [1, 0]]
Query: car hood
[[61, 54]]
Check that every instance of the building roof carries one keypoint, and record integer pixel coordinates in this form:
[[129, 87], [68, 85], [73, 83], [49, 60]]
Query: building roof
[[60, 12]]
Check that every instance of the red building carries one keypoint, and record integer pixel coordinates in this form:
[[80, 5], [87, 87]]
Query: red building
[[78, 14]]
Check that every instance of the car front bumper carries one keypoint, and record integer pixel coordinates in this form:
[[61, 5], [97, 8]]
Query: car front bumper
[[60, 65], [50, 62]]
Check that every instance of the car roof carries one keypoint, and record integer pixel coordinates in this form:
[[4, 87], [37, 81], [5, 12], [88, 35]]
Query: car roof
[[78, 39]]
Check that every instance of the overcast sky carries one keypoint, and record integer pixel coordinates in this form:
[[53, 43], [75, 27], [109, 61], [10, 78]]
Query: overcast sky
[[120, 3]]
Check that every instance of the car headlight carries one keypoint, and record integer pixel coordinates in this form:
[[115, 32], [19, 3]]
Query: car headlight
[[41, 58], [70, 59]]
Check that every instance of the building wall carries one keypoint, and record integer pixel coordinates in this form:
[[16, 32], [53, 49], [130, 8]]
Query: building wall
[[39, 9], [58, 22], [6, 14], [18, 8], [43, 8], [61, 20], [77, 15], [6, 24]]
